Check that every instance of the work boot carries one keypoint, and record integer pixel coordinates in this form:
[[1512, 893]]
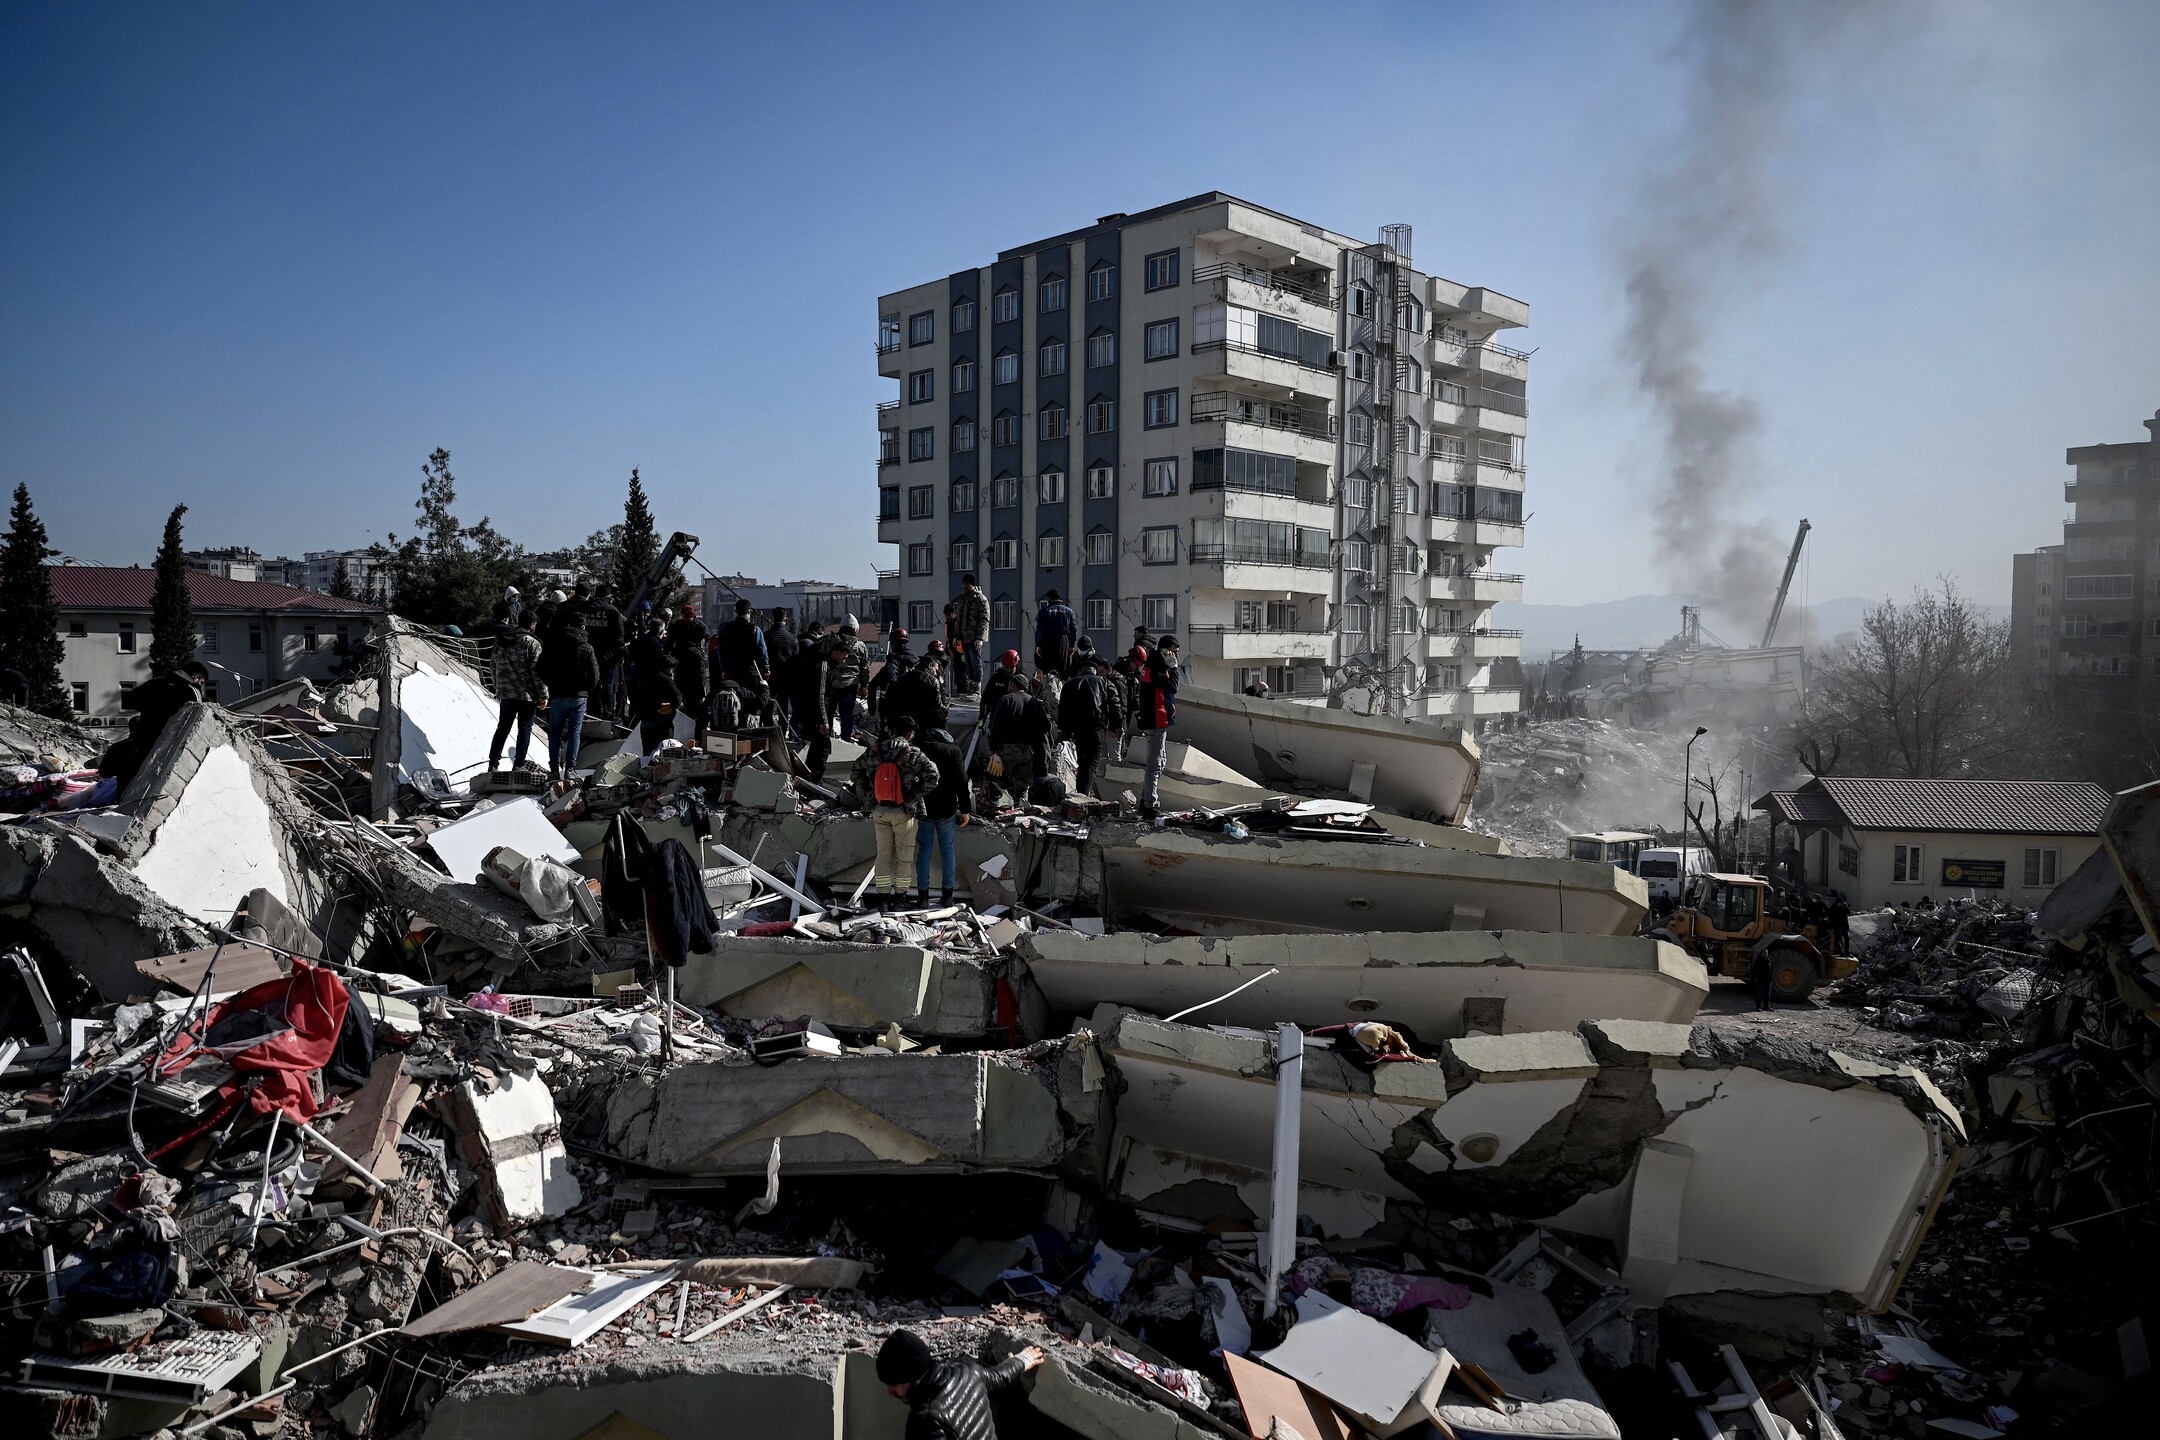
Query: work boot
[[945, 897]]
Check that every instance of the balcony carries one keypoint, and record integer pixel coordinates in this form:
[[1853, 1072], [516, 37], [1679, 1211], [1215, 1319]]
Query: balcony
[[1499, 412], [1236, 360], [1477, 530], [1481, 587], [1499, 360], [1465, 701], [1499, 475], [1473, 644], [1312, 289], [1214, 554], [1250, 410], [1248, 643], [889, 347], [1454, 352]]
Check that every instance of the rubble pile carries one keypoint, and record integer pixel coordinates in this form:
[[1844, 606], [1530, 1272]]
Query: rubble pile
[[351, 1085], [1550, 779]]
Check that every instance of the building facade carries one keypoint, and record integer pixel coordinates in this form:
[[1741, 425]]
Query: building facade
[[251, 635], [367, 571], [1283, 444], [2035, 586], [2105, 636]]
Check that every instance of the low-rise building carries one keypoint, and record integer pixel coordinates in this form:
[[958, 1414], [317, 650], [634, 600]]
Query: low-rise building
[[1895, 841], [250, 634]]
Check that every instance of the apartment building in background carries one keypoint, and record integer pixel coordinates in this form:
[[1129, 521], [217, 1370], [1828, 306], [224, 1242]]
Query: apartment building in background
[[2087, 611], [1286, 445]]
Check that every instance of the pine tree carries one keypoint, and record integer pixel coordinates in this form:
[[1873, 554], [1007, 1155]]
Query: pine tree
[[29, 615], [172, 613], [639, 546], [450, 573], [341, 586]]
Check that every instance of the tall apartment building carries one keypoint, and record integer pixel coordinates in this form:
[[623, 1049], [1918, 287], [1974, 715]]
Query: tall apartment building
[[2035, 590], [1286, 445], [2103, 632]]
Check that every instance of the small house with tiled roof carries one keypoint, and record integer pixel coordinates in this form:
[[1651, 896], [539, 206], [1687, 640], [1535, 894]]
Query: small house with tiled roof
[[250, 634], [1893, 841]]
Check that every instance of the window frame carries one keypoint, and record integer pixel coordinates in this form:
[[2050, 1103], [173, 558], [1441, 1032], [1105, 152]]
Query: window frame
[[1149, 349], [1051, 422], [921, 559], [1003, 553], [1108, 546], [1006, 299], [1101, 415], [2042, 866], [1004, 429], [920, 616], [963, 377], [1005, 485], [963, 436], [1004, 614], [922, 443], [921, 387], [1106, 341], [1050, 487], [963, 556], [1050, 551], [922, 502], [1001, 362], [1051, 352], [124, 640], [1102, 482], [962, 501], [1102, 281], [1159, 409], [1159, 613], [1908, 864], [1161, 264], [1152, 541], [1159, 476], [1100, 613], [963, 315], [922, 328], [1052, 294]]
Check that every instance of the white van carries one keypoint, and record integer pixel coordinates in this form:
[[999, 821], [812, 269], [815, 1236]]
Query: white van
[[1667, 869]]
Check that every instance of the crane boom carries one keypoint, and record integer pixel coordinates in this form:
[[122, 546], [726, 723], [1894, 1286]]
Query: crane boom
[[1792, 563]]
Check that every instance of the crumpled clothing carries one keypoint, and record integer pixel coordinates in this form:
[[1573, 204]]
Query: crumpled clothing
[[1185, 1384], [1380, 1293]]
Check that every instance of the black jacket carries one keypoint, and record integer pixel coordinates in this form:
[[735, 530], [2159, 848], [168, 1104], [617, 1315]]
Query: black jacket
[[652, 691], [1018, 719], [916, 694], [567, 665], [953, 1401], [739, 655], [780, 647], [1090, 703], [604, 624], [951, 795], [994, 688], [676, 912]]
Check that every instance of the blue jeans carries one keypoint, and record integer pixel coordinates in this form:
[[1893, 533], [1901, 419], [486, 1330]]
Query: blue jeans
[[566, 728], [843, 707], [970, 667], [944, 835]]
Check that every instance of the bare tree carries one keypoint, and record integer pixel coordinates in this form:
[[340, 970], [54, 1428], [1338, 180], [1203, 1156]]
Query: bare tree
[[1926, 691]]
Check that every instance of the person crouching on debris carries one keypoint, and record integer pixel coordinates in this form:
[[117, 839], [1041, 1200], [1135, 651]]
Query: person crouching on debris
[[892, 779], [948, 1399], [514, 670], [154, 702], [654, 702]]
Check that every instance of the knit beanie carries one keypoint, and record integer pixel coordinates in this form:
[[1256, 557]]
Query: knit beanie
[[903, 1359]]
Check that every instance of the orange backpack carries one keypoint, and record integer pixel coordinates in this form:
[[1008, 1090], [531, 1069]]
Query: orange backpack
[[886, 783]]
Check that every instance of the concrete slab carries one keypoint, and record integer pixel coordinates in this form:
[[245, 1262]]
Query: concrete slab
[[857, 987], [919, 1114], [1417, 980], [1417, 769], [513, 1137], [1217, 885], [677, 1392]]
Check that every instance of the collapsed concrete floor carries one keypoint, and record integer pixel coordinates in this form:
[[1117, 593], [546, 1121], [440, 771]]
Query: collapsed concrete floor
[[574, 1210]]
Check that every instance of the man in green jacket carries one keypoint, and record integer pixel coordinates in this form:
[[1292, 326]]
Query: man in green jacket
[[892, 778]]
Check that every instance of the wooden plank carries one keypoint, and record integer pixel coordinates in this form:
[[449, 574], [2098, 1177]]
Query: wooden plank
[[517, 1293], [242, 967], [369, 1127], [1266, 1395], [737, 1313]]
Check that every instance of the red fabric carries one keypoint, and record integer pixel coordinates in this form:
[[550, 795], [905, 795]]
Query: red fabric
[[311, 1002], [769, 927]]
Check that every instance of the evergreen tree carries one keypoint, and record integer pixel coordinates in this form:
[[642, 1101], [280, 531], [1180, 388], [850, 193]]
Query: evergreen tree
[[639, 544], [172, 613], [451, 573], [341, 586], [29, 615]]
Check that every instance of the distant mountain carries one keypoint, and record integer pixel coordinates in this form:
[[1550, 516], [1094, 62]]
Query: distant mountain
[[1648, 620]]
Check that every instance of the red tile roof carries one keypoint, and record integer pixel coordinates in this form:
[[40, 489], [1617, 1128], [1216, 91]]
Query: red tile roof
[[102, 587], [2001, 807]]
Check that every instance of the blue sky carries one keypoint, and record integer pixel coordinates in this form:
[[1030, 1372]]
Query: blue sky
[[262, 259]]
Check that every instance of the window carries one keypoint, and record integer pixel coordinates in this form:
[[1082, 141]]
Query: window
[[1004, 492], [2040, 867], [1905, 865], [963, 496], [2097, 587], [1444, 677], [1004, 428], [1161, 409], [1413, 437], [888, 333], [963, 437], [1050, 552], [921, 558], [1102, 349], [1053, 294], [1356, 555], [1005, 615], [1102, 280], [127, 637], [1101, 416], [206, 638], [1050, 487], [888, 447], [77, 629], [1447, 392], [255, 637], [1403, 558], [1098, 547], [1051, 423], [79, 696], [1162, 270], [921, 386], [1360, 299], [1051, 358], [1005, 368], [888, 502], [1358, 430], [1101, 481], [1004, 554], [1356, 618], [1402, 619], [1005, 306], [309, 641], [922, 327], [344, 640], [1410, 315], [963, 377], [1360, 365], [921, 444], [1450, 502], [1159, 477], [918, 615], [963, 556], [1357, 492], [963, 316], [922, 502], [1158, 545], [127, 694], [2075, 623], [1159, 612], [1162, 339], [1099, 612]]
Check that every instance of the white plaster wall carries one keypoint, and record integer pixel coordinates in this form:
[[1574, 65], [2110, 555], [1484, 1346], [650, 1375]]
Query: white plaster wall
[[445, 723], [218, 843]]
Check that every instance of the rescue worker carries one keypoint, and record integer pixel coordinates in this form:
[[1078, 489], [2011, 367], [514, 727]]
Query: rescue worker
[[1018, 733], [916, 694], [688, 642], [899, 659], [604, 627], [1056, 628], [1089, 716], [892, 778], [971, 631], [847, 675], [570, 670], [780, 648], [740, 655], [654, 703], [947, 1399], [1005, 678], [514, 671], [1156, 711], [945, 810]]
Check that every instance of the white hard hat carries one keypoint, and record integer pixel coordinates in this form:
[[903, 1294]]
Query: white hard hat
[[849, 623]]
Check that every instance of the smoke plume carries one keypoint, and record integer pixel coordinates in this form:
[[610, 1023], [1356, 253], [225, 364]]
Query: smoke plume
[[1706, 224]]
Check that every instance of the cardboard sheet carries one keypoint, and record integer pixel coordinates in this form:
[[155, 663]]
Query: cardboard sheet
[[1352, 1359], [519, 824]]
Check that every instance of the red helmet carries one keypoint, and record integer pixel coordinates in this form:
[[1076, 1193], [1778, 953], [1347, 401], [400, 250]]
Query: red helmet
[[937, 647], [898, 633], [1010, 659], [1138, 655]]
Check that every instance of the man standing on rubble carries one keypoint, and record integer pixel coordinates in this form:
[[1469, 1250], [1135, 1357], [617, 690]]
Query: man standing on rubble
[[780, 648], [569, 670], [892, 780], [1089, 715], [154, 702], [847, 674], [914, 693], [1017, 729], [899, 660], [514, 671], [655, 703], [971, 631], [604, 627], [647, 649], [813, 721], [1004, 679], [947, 1399], [688, 642], [1155, 711], [945, 809], [1056, 627], [739, 654]]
